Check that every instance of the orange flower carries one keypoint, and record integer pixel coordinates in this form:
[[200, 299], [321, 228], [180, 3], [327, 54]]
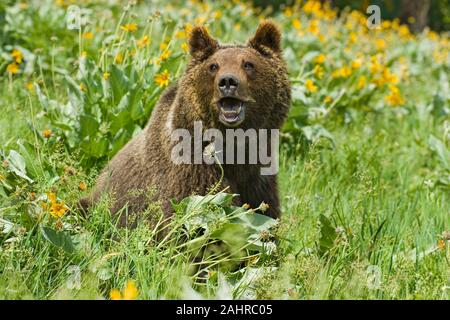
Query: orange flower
[[47, 133], [82, 186]]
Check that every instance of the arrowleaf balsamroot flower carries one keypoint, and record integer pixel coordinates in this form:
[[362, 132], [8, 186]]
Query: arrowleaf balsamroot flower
[[320, 59], [296, 24], [162, 79], [129, 27], [310, 86], [88, 35], [17, 55], [142, 42], [130, 292], [82, 186], [12, 68], [56, 208], [47, 133], [394, 98]]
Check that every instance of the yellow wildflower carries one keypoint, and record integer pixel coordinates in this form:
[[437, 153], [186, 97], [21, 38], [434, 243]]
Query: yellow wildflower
[[328, 99], [394, 97], [130, 292], [314, 27], [163, 46], [185, 47], [82, 186], [389, 77], [47, 133], [441, 244], [118, 58], [142, 42], [296, 24], [386, 24], [115, 295], [361, 82], [356, 64], [129, 27], [88, 35], [51, 197], [320, 58], [353, 37], [58, 209], [287, 12], [310, 86], [17, 55], [12, 68], [162, 79], [345, 72], [380, 44], [180, 34], [165, 55], [106, 75], [318, 71]]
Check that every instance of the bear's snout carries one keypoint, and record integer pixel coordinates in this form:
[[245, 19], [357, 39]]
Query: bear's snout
[[228, 85]]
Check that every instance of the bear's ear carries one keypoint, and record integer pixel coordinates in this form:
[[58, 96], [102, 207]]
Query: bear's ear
[[267, 36], [201, 45]]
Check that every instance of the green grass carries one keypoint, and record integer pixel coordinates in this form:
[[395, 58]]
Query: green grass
[[371, 185], [365, 203]]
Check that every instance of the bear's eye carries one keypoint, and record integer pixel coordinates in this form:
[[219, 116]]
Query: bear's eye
[[248, 66], [213, 67]]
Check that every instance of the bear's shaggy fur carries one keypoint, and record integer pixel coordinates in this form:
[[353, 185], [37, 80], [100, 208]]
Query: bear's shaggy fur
[[145, 162]]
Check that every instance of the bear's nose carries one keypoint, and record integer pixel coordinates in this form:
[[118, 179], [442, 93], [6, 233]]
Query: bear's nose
[[228, 85]]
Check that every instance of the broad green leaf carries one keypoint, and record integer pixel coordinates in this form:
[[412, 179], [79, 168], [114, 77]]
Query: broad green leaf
[[88, 125], [119, 83], [58, 239], [327, 235], [441, 150], [17, 165]]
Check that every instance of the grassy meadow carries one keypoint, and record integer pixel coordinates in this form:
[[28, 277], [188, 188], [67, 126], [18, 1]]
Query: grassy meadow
[[364, 166]]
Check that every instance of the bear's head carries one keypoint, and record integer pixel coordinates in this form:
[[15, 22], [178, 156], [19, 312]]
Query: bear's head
[[242, 86]]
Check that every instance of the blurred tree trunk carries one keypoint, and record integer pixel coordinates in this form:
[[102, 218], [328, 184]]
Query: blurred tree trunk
[[417, 9]]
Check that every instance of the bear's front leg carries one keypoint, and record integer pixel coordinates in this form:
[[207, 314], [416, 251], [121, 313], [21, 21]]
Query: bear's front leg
[[258, 189]]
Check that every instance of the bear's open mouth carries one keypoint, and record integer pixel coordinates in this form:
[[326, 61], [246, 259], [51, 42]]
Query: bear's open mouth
[[232, 111]]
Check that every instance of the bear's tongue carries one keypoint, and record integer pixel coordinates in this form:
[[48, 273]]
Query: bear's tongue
[[231, 108]]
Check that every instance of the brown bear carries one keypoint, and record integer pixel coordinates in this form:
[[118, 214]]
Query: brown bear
[[224, 86]]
